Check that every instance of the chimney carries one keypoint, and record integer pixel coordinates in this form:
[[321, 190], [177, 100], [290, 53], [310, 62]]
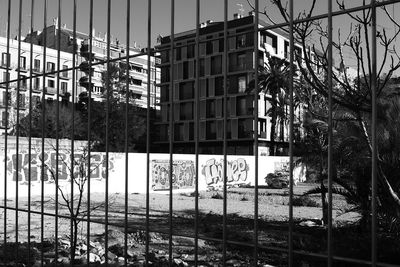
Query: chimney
[[237, 16]]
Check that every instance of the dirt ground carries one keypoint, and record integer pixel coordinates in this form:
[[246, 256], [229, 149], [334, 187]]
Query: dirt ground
[[273, 220]]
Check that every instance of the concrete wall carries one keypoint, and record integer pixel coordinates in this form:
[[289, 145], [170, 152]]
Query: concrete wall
[[240, 170]]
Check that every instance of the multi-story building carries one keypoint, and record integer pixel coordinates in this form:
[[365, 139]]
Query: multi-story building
[[25, 71], [240, 104], [138, 63]]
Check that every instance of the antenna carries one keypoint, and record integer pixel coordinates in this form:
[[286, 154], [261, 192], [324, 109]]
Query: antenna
[[241, 9]]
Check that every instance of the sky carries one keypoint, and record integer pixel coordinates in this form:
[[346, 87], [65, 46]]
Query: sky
[[161, 14]]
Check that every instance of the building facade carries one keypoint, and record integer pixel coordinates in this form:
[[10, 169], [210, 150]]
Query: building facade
[[240, 103], [138, 71], [9, 75]]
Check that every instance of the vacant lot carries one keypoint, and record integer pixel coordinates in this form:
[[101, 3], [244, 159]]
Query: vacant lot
[[273, 223]]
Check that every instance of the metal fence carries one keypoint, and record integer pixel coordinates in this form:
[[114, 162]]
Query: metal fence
[[290, 253]]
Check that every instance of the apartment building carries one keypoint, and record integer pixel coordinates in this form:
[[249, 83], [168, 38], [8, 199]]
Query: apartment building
[[240, 104], [26, 70], [138, 71]]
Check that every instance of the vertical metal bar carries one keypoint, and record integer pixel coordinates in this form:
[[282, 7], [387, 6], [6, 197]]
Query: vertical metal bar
[[7, 118], [73, 132], [127, 92], [291, 111], [171, 129], [225, 73], [197, 127], [58, 32], [18, 102], [43, 128], [89, 129], [30, 131], [374, 256], [108, 88], [330, 135], [148, 132], [256, 95]]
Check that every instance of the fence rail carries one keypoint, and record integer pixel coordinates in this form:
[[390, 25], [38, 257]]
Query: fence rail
[[83, 163]]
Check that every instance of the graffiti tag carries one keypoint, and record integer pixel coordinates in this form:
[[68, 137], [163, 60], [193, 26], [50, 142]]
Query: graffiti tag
[[183, 175], [236, 172], [97, 162]]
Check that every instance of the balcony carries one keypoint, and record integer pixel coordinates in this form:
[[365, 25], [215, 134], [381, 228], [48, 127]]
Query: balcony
[[270, 49], [262, 135], [36, 70], [50, 90]]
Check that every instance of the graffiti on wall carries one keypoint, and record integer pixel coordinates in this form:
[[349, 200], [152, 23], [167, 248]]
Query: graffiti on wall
[[97, 162], [237, 171], [183, 174]]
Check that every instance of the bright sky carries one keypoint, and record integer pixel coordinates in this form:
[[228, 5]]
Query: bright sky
[[161, 13]]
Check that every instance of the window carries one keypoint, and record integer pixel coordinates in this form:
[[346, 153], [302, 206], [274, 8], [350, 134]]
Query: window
[[242, 84], [22, 63], [35, 100], [51, 66], [4, 118], [136, 68], [210, 113], [64, 87], [241, 61], [37, 65], [137, 82], [65, 73], [6, 76], [6, 98], [271, 40], [209, 48], [5, 59], [216, 65], [178, 53], [186, 111], [22, 83], [219, 86], [179, 132], [190, 51], [50, 83], [21, 100], [202, 67], [211, 130], [186, 90], [36, 83], [241, 41]]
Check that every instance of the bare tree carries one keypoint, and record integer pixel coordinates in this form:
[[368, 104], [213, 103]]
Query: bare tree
[[74, 202], [352, 92]]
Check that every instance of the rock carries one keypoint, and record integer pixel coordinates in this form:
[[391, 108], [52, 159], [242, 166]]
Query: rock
[[63, 260], [92, 257], [65, 243], [179, 262], [111, 256], [233, 262], [117, 249]]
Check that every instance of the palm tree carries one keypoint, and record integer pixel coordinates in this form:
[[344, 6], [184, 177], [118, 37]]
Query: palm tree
[[274, 80]]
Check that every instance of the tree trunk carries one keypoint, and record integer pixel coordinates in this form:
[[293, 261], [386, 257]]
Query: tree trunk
[[272, 149], [324, 200], [74, 239], [387, 188]]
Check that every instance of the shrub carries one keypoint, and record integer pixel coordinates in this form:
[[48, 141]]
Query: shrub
[[244, 198], [217, 196], [304, 201]]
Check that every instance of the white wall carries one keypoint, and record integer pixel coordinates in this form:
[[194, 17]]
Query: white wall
[[240, 170]]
